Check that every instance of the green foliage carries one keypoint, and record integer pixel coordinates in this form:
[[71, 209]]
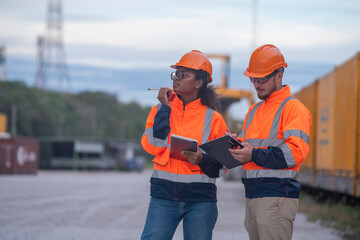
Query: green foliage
[[345, 218], [90, 114]]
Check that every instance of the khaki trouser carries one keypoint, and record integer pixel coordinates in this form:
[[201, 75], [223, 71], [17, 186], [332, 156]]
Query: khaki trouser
[[270, 217]]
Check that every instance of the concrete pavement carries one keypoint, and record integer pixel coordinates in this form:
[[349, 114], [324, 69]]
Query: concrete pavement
[[58, 205]]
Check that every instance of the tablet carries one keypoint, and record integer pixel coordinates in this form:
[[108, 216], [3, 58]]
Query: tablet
[[179, 144], [218, 149]]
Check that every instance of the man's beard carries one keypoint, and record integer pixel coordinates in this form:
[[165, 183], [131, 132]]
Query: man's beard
[[264, 97]]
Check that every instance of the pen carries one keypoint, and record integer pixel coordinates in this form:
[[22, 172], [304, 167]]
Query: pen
[[171, 95]]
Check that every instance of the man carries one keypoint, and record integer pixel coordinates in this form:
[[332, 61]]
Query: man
[[275, 137]]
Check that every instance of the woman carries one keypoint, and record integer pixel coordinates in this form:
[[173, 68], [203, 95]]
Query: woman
[[184, 190]]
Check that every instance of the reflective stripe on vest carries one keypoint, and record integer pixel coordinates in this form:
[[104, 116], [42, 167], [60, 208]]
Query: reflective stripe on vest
[[157, 142], [271, 173], [185, 178], [272, 140], [182, 178]]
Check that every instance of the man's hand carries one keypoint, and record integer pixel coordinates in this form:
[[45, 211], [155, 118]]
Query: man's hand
[[243, 155], [194, 157]]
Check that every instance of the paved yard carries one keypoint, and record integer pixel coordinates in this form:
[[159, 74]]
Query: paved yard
[[108, 205]]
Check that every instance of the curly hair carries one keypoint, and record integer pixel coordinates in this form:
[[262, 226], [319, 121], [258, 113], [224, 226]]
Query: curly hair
[[207, 92]]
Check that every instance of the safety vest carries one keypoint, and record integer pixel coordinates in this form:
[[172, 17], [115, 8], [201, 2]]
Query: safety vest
[[280, 121], [174, 179]]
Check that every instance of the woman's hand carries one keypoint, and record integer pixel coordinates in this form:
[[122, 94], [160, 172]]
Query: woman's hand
[[162, 96], [194, 157], [234, 135]]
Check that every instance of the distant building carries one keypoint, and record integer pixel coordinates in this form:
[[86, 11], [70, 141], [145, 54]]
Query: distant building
[[88, 154]]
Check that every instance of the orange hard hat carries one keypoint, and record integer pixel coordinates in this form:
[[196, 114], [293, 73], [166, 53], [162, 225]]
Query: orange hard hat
[[264, 60], [195, 60]]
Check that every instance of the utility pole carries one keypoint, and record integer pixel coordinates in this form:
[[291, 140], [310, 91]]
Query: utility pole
[[13, 119], [15, 107], [53, 59], [40, 73], [2, 64], [254, 23]]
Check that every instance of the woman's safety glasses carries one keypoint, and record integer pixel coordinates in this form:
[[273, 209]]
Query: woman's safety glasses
[[180, 75]]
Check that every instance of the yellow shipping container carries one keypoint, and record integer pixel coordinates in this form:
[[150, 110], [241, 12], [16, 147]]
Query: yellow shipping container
[[337, 150], [3, 122], [346, 118], [325, 122], [308, 96], [333, 163]]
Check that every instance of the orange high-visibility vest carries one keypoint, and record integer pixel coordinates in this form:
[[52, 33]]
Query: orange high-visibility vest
[[175, 179], [280, 122]]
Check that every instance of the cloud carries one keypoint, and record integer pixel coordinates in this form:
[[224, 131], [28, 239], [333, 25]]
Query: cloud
[[150, 34], [159, 33], [306, 35], [120, 64]]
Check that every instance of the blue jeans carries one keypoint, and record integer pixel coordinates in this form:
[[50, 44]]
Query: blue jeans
[[163, 217]]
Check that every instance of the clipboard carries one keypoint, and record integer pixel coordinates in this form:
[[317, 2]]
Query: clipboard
[[179, 144], [218, 149]]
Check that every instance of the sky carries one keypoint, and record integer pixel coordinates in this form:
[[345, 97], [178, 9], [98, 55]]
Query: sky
[[124, 47]]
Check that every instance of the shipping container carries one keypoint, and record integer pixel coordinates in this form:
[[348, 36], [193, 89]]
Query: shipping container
[[3, 123], [325, 123], [335, 130], [308, 96], [346, 126], [346, 118], [325, 141], [19, 155], [5, 156]]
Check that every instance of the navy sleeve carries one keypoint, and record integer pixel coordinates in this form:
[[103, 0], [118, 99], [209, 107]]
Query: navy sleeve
[[210, 166], [161, 126], [271, 157]]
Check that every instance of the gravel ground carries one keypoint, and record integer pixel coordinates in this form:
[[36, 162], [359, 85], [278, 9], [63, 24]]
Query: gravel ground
[[66, 205]]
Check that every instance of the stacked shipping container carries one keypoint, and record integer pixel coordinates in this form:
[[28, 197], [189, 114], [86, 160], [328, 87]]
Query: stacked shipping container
[[334, 103]]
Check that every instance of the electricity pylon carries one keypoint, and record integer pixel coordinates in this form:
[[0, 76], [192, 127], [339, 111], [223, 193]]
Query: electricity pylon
[[51, 52]]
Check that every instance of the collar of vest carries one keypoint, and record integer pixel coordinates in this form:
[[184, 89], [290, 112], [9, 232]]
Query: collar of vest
[[190, 106], [279, 95]]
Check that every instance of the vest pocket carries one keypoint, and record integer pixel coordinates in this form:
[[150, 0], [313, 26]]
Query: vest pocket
[[162, 159]]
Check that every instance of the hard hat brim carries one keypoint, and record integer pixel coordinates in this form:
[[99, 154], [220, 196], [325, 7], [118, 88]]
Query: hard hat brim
[[248, 73]]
